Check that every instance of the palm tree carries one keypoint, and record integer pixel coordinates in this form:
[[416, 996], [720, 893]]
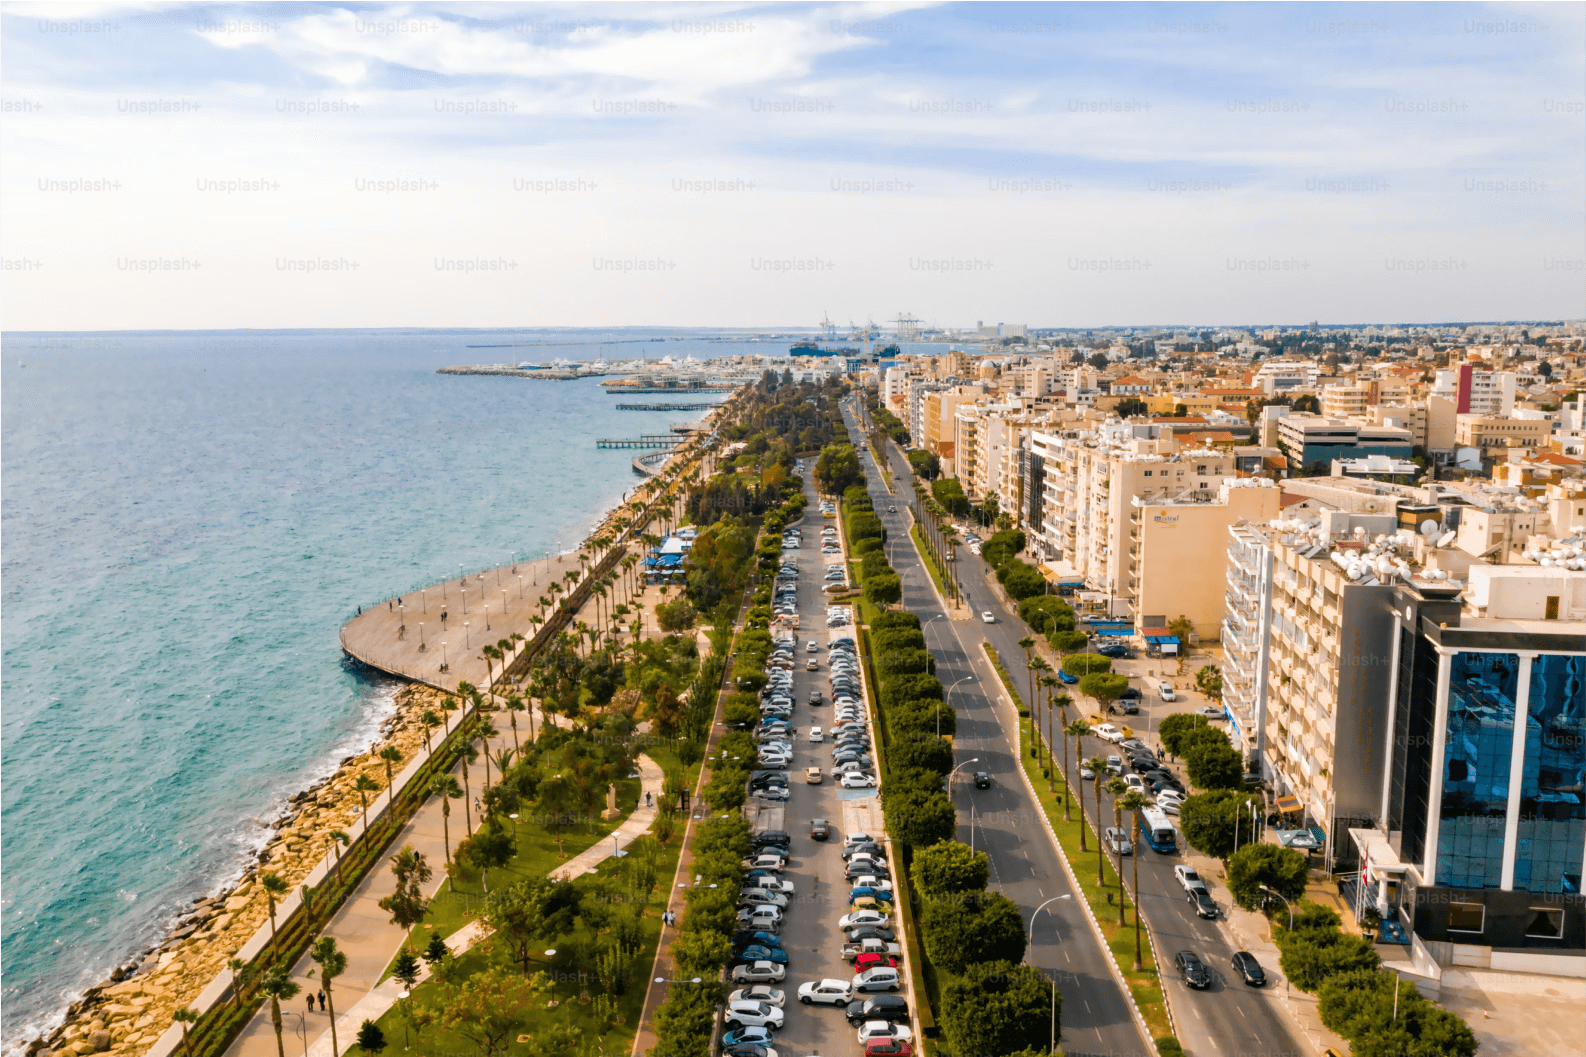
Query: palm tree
[[332, 963], [277, 986], [338, 840], [1050, 682], [239, 979], [390, 755], [514, 703], [488, 653], [1097, 765], [184, 1017], [484, 730], [365, 785], [430, 721], [468, 754], [1076, 730], [1035, 665], [1117, 788], [1133, 801], [274, 886], [445, 787], [503, 758]]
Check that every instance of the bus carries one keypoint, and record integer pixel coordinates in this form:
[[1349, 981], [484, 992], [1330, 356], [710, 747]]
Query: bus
[[1157, 831]]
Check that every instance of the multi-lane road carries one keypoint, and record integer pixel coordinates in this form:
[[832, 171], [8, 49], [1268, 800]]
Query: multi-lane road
[[1227, 1018]]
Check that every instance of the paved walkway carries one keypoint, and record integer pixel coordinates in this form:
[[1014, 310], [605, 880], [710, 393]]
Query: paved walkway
[[366, 936], [651, 779]]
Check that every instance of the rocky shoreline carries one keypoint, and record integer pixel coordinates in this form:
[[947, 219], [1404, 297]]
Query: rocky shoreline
[[125, 1014]]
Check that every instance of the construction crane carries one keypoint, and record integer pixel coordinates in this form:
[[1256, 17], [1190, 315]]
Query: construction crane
[[828, 328], [908, 326]]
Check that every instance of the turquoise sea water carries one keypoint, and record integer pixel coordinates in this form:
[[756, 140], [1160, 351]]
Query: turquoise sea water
[[187, 521]]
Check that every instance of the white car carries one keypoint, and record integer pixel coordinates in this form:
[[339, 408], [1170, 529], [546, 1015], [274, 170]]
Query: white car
[[1170, 794], [857, 781], [826, 992], [871, 881], [1169, 806], [861, 918], [1188, 878], [753, 1014], [759, 993], [986, 617], [816, 735], [884, 1029], [774, 792], [1108, 732], [1168, 693], [756, 972]]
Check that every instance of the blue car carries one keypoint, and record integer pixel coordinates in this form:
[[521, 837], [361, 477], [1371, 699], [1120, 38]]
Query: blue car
[[753, 1034], [881, 895], [1069, 679], [764, 939], [759, 953]]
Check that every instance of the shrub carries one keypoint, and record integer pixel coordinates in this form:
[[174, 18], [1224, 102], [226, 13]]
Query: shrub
[[896, 619], [999, 1008], [897, 663], [926, 715], [865, 547], [968, 928], [1043, 612], [1173, 728], [919, 818], [1214, 766], [896, 639], [1209, 821], [874, 564], [883, 590], [950, 867], [1083, 664], [1067, 641], [739, 715], [928, 752], [910, 687]]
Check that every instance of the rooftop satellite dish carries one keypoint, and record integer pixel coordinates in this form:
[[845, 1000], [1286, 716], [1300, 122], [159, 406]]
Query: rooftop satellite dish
[[1430, 528], [1445, 539]]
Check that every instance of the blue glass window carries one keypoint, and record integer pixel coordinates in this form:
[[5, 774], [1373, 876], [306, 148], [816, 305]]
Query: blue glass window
[[1552, 804], [1476, 757]]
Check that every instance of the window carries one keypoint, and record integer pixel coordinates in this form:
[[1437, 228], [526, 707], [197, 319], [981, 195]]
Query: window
[[1148, 473], [1201, 470], [1546, 923], [1466, 917]]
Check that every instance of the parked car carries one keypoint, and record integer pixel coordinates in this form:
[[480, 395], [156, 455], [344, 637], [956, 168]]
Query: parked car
[[1067, 678], [751, 1036], [774, 792], [747, 1049], [1249, 969], [858, 781], [1191, 970], [888, 1048], [884, 1029], [759, 993], [878, 979], [864, 917], [1168, 693], [759, 972], [826, 992], [749, 1013], [878, 1007], [766, 861]]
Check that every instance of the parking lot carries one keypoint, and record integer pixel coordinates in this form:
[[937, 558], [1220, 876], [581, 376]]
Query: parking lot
[[809, 934]]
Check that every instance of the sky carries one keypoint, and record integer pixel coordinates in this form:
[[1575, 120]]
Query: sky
[[259, 165]]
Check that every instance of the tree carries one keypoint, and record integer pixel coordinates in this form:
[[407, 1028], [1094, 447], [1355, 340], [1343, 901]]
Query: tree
[[1307, 403], [518, 913], [184, 1017], [445, 787], [339, 839], [1076, 730], [486, 1008], [1281, 869], [685, 1022], [406, 967], [838, 469], [370, 1038], [1173, 728], [1133, 802], [884, 590], [275, 887], [675, 616], [1000, 1007], [1181, 628], [1209, 681], [1130, 407], [925, 751], [436, 952], [1208, 821], [1083, 664], [407, 904], [390, 756], [702, 953], [1104, 687], [332, 963], [950, 867], [966, 928], [364, 786], [1214, 766], [277, 986], [921, 820], [492, 846]]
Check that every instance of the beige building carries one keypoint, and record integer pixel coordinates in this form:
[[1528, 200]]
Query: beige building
[[938, 412], [1176, 549], [1194, 403], [1494, 434]]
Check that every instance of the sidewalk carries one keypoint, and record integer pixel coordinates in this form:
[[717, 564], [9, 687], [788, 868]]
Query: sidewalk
[[651, 779]]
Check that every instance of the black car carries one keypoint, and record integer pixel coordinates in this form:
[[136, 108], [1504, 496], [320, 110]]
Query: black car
[[982, 780], [878, 1007], [1205, 905], [854, 849], [744, 1049], [1246, 966], [820, 829], [1124, 708], [765, 781], [1143, 764], [1191, 971], [1131, 694], [1114, 651], [771, 838]]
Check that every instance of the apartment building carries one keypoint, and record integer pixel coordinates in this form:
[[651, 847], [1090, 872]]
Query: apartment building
[[1476, 392], [938, 411], [1492, 435], [1246, 636], [1280, 376], [919, 388], [1351, 400], [1176, 544], [1308, 439]]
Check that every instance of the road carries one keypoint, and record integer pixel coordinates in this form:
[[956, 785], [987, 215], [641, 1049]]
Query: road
[[1003, 821], [1227, 1018]]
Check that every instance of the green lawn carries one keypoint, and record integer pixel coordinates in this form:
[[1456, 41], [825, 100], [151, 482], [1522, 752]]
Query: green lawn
[[927, 559], [570, 994]]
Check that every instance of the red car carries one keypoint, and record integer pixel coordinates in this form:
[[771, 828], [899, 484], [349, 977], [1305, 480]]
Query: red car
[[888, 1048], [871, 961]]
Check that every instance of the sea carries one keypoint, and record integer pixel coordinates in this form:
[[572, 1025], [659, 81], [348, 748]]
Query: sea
[[188, 518]]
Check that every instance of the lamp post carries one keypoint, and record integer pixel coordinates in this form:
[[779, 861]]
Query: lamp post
[[421, 636], [443, 655], [1030, 933], [504, 602], [468, 637], [487, 616], [301, 1029], [403, 996], [520, 587], [1286, 903]]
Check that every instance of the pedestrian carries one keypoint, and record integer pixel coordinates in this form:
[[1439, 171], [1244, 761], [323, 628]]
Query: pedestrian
[[311, 1002], [646, 799], [391, 606], [322, 1000]]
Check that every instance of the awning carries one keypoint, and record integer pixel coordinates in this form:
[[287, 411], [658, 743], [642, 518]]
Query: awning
[[1162, 640], [1288, 803], [1113, 630]]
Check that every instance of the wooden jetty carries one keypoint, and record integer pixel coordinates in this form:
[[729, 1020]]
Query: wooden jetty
[[668, 407], [674, 390], [662, 440]]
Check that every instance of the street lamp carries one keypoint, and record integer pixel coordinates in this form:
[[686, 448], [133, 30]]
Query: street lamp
[[1286, 903], [443, 655], [520, 587], [504, 601], [1030, 934], [301, 1029], [487, 616], [468, 637], [663, 980], [421, 636], [404, 996]]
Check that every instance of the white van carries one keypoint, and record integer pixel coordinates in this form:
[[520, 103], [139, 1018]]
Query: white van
[[1167, 692]]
